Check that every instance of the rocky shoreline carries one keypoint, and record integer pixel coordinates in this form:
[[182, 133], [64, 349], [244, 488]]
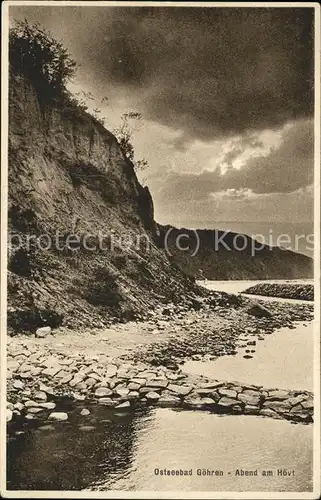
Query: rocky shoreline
[[284, 290], [123, 386], [40, 372]]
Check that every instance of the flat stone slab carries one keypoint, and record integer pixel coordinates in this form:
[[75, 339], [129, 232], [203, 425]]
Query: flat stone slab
[[212, 385], [182, 390], [59, 416], [278, 394], [102, 392], [225, 401], [248, 399], [230, 393], [152, 396]]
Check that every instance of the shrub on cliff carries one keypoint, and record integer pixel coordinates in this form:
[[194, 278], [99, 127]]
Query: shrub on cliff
[[39, 57], [124, 135]]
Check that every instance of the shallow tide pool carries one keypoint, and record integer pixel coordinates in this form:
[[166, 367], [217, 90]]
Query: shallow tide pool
[[283, 360], [122, 452]]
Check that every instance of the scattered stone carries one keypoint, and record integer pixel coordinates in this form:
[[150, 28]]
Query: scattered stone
[[43, 332], [79, 397], [297, 399], [111, 370], [267, 412], [50, 405], [193, 402], [203, 391], [208, 401], [249, 399], [65, 361], [250, 409], [138, 381], [161, 384], [277, 394], [17, 384], [133, 395], [59, 416], [225, 401], [30, 416], [107, 401], [13, 365], [9, 415], [103, 392], [90, 382], [25, 368], [303, 415], [41, 395], [181, 390], [85, 412], [122, 392], [227, 392], [29, 403], [279, 406], [77, 379], [126, 404], [212, 385], [132, 386], [66, 379], [35, 410], [62, 374], [152, 396], [308, 404], [46, 428], [81, 387], [51, 372], [169, 399], [35, 370], [45, 388], [18, 406], [87, 428]]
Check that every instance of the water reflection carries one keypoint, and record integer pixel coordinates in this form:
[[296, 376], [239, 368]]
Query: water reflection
[[281, 360], [72, 454], [123, 452]]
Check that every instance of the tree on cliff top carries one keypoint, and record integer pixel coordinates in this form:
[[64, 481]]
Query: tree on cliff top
[[124, 135], [35, 54]]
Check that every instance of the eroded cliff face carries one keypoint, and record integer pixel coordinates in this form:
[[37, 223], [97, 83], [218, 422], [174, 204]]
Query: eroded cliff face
[[68, 176]]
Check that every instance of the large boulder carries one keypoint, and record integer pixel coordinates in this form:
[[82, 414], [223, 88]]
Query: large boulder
[[258, 311]]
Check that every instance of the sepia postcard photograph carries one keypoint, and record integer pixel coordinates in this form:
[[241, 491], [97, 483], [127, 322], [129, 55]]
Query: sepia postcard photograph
[[160, 250]]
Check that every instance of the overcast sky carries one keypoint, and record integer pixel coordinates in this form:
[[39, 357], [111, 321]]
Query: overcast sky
[[226, 95]]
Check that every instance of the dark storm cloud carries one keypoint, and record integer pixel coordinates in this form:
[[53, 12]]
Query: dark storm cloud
[[213, 72], [284, 170], [210, 72]]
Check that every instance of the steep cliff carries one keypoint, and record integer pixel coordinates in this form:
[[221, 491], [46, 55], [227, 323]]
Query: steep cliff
[[230, 256], [81, 227], [83, 245]]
